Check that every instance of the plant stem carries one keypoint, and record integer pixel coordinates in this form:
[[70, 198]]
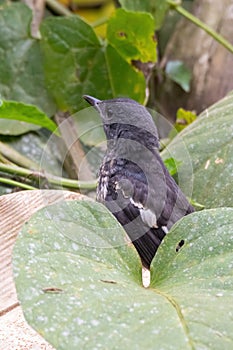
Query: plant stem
[[52, 179], [58, 8], [99, 22], [15, 157], [219, 38], [16, 184]]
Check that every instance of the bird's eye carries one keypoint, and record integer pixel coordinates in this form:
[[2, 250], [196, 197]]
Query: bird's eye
[[110, 113]]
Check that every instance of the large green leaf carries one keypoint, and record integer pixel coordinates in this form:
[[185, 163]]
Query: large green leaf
[[21, 69], [209, 143], [198, 280], [12, 111], [77, 63], [79, 283], [132, 35], [158, 8]]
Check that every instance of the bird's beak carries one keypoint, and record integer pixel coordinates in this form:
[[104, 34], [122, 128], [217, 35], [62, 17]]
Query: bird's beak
[[92, 100]]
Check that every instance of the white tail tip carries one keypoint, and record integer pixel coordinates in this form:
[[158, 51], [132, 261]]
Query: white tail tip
[[145, 277]]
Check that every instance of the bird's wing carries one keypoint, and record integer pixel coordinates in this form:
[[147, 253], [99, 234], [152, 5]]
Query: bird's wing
[[150, 192], [126, 198], [146, 203], [143, 192]]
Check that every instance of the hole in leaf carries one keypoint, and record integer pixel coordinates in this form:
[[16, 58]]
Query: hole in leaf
[[179, 245]]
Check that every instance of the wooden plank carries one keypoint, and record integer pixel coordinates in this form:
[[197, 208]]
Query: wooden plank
[[16, 334]]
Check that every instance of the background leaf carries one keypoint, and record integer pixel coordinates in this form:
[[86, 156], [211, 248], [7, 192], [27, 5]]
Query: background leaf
[[21, 72], [209, 143], [89, 126], [41, 154], [17, 111], [158, 8], [172, 165], [183, 119], [80, 283], [178, 72], [132, 35], [77, 63], [136, 85]]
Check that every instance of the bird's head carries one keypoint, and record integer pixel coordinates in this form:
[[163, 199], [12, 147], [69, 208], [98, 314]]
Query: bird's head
[[125, 118]]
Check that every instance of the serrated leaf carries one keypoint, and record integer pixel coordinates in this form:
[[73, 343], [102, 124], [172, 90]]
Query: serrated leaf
[[79, 284], [77, 63], [158, 8], [178, 72], [132, 35], [21, 72], [18, 114], [205, 148]]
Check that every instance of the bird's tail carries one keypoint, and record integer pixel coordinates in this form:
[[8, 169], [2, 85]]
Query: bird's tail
[[148, 244]]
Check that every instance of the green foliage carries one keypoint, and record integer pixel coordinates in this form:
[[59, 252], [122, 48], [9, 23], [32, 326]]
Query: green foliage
[[172, 165], [21, 72], [209, 144], [76, 62], [81, 285], [158, 8], [132, 35], [72, 59], [12, 111], [77, 277], [183, 119], [89, 127], [178, 72]]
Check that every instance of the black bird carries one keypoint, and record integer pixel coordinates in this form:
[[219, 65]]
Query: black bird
[[134, 183]]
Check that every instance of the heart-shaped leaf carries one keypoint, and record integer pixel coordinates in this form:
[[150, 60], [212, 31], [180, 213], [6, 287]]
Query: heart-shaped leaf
[[77, 63], [78, 281]]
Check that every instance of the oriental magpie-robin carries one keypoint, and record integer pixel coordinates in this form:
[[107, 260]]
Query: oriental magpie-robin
[[134, 183]]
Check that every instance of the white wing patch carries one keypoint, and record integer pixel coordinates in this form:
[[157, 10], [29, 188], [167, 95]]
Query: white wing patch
[[125, 186], [148, 217], [145, 277], [138, 205]]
